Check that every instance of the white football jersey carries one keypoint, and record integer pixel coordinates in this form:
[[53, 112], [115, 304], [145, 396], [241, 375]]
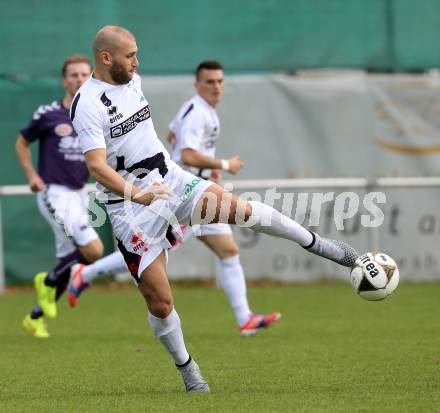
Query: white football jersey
[[197, 127], [117, 118]]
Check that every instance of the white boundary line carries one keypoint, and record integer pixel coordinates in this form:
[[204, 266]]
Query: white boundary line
[[319, 183], [289, 183]]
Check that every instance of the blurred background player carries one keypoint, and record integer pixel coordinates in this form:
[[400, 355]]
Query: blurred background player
[[194, 133], [61, 194]]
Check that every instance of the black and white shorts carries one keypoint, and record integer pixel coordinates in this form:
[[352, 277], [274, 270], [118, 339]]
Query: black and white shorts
[[66, 212], [141, 231]]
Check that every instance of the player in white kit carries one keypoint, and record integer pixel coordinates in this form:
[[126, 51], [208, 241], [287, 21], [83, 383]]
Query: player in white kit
[[194, 133], [146, 191]]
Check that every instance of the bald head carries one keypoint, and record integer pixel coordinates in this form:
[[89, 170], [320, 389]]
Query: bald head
[[110, 39], [115, 52]]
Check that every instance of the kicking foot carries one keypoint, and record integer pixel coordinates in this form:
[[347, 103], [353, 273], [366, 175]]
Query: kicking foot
[[46, 295], [258, 322], [36, 327], [193, 379], [334, 250], [76, 285]]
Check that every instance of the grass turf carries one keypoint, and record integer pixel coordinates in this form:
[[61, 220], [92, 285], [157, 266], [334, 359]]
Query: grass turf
[[331, 352]]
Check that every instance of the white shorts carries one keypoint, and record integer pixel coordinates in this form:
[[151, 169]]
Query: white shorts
[[210, 229], [66, 212], [141, 231]]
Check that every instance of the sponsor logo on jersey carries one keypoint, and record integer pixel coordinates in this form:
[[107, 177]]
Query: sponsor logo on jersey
[[136, 238], [69, 142], [112, 110], [63, 129], [129, 124], [137, 242], [189, 188], [69, 147], [117, 117]]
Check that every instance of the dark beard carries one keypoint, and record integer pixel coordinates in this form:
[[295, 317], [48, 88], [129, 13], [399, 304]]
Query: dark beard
[[118, 74]]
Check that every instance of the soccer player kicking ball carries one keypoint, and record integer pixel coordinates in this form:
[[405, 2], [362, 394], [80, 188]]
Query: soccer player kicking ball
[[61, 194], [193, 133], [147, 191]]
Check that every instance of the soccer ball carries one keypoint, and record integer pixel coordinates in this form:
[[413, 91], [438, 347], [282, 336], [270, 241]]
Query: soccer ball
[[375, 276]]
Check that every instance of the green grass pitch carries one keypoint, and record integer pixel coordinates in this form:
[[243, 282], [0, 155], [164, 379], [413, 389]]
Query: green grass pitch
[[331, 352]]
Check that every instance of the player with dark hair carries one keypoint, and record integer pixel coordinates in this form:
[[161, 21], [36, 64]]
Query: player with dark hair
[[61, 194], [207, 65], [194, 133], [146, 191]]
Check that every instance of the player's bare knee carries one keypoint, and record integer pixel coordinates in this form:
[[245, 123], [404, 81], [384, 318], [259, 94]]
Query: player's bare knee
[[159, 302], [161, 308], [230, 250], [96, 253], [92, 251]]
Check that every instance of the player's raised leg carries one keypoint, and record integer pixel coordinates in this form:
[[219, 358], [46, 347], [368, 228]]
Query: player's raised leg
[[165, 322], [217, 205]]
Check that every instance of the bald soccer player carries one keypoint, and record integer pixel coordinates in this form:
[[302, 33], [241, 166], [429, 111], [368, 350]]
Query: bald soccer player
[[193, 133], [146, 191]]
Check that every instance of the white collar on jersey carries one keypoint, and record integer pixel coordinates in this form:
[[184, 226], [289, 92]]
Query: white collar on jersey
[[203, 102]]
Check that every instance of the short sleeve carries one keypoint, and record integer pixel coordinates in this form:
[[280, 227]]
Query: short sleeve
[[172, 126], [191, 130], [88, 124], [32, 131]]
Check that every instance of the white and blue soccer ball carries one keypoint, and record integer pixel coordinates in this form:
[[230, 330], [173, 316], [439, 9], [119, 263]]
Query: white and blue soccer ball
[[375, 276]]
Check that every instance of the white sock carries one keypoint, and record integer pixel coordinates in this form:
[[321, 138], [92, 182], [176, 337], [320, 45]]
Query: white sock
[[269, 221], [111, 264], [234, 284], [169, 333]]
